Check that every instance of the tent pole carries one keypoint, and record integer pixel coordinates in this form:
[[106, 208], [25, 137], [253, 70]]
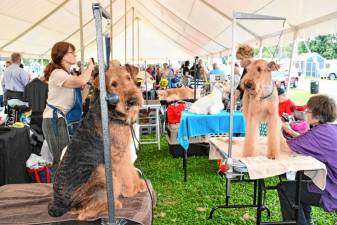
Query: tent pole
[[145, 80], [111, 32], [133, 35], [125, 35], [98, 12], [80, 8], [260, 49], [229, 160], [138, 42], [293, 51], [172, 28]]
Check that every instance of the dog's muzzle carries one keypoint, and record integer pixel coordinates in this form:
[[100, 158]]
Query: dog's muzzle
[[249, 85], [112, 99]]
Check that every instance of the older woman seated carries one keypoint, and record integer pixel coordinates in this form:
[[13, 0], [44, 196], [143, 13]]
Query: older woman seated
[[319, 142]]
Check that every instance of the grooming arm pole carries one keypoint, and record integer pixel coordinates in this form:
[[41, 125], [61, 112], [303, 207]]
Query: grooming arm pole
[[98, 13]]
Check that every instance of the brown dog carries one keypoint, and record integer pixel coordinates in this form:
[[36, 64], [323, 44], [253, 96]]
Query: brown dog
[[176, 94], [260, 104], [79, 184]]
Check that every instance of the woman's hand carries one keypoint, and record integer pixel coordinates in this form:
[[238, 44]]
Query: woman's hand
[[286, 127], [91, 65]]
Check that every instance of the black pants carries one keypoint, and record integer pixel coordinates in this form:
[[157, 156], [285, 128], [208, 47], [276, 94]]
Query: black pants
[[287, 195]]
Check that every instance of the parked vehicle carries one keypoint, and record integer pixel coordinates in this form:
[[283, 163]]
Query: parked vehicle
[[281, 79], [330, 72]]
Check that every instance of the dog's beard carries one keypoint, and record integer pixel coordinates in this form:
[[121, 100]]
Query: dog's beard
[[128, 118]]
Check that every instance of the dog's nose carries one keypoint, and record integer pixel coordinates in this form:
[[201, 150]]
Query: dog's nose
[[248, 85], [131, 102]]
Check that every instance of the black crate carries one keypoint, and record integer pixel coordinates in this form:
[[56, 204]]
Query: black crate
[[196, 149]]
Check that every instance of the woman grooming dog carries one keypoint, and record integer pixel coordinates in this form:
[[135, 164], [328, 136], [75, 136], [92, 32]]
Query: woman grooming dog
[[64, 103], [319, 142]]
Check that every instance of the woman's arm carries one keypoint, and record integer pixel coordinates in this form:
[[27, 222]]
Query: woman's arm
[[286, 127], [81, 80]]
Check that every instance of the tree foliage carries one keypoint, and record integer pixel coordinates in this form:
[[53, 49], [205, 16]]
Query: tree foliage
[[325, 45]]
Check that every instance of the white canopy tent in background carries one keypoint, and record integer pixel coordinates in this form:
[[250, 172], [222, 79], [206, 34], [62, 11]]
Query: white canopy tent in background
[[169, 29]]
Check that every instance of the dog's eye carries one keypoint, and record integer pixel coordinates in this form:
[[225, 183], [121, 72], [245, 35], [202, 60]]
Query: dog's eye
[[114, 84], [128, 77], [259, 69]]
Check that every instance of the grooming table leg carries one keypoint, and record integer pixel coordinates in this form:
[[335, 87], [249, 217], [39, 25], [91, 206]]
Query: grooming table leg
[[185, 165]]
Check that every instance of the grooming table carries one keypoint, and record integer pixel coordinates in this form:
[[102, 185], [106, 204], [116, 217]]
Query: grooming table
[[193, 125], [260, 167], [23, 204]]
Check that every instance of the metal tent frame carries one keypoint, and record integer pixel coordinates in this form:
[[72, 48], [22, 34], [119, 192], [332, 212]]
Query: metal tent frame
[[259, 185], [100, 12]]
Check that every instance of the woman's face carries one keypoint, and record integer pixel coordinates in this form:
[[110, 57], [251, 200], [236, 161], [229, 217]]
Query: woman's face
[[311, 120], [70, 57]]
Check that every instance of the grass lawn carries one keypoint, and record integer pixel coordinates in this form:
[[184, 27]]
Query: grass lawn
[[189, 203], [299, 97]]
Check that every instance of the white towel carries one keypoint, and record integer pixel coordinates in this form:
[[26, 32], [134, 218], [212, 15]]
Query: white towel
[[261, 167]]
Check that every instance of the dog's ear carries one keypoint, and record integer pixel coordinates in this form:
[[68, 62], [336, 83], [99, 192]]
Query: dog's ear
[[246, 62], [273, 66], [133, 70]]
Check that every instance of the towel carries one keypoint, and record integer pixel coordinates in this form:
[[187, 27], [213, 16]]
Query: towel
[[260, 166]]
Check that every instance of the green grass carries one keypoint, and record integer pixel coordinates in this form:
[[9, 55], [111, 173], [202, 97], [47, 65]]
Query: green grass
[[189, 203], [299, 97]]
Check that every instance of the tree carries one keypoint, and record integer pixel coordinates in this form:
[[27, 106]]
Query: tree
[[325, 45]]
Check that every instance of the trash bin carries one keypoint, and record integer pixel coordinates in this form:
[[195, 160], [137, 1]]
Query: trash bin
[[314, 86]]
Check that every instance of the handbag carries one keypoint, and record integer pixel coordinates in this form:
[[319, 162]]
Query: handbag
[[40, 175]]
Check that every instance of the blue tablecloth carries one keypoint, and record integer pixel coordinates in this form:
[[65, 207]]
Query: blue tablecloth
[[192, 125]]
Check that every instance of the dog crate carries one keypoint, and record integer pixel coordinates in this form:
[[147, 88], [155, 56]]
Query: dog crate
[[194, 149], [198, 145]]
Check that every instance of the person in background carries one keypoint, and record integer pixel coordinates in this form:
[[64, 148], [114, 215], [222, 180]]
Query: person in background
[[64, 100], [216, 70], [167, 74], [202, 72], [319, 142], [14, 79], [8, 63], [186, 70], [286, 105], [244, 53]]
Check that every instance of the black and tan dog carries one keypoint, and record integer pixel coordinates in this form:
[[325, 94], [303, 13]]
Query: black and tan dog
[[79, 184]]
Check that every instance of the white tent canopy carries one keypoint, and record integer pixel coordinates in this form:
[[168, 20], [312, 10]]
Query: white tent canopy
[[169, 29]]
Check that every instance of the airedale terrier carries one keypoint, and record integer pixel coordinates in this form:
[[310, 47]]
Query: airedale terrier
[[260, 104], [79, 184]]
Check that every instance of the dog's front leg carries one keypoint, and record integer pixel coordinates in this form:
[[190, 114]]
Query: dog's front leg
[[249, 148], [274, 129]]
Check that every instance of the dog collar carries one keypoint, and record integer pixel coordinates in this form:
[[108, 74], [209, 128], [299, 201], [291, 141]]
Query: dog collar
[[271, 93]]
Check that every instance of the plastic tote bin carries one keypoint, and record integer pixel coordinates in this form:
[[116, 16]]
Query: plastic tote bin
[[314, 87]]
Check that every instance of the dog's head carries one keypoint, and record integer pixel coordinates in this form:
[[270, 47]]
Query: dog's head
[[162, 94], [120, 81], [258, 76], [223, 87]]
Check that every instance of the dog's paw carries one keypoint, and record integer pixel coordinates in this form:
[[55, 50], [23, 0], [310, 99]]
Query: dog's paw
[[142, 186], [273, 156], [56, 211]]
